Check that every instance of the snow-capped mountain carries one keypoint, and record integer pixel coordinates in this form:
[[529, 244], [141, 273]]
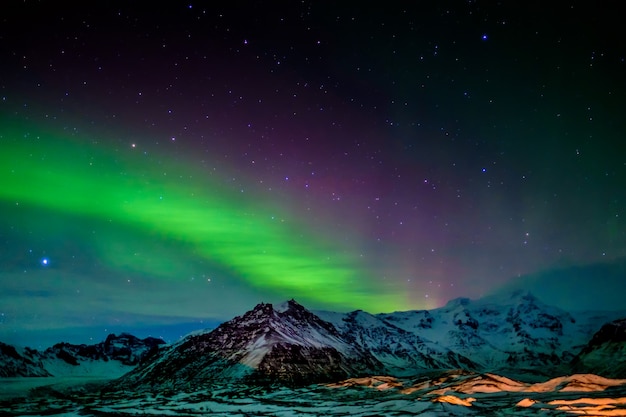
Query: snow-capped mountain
[[517, 336], [114, 356], [286, 344], [510, 334], [605, 354]]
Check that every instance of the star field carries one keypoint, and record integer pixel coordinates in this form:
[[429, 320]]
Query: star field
[[164, 168]]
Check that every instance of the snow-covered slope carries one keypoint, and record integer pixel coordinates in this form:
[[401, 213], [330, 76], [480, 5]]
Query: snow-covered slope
[[286, 344], [402, 352]]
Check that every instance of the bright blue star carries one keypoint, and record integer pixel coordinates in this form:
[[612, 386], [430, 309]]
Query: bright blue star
[[45, 261], [484, 37]]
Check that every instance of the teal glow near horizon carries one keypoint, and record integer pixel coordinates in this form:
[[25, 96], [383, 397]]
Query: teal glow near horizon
[[159, 198]]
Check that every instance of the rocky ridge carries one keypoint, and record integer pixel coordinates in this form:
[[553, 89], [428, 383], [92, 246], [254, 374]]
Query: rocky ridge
[[116, 354]]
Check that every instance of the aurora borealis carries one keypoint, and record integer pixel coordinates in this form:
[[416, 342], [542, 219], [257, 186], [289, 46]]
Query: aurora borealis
[[163, 169], [257, 243]]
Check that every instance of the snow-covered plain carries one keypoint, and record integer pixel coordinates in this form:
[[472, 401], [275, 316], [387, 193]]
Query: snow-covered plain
[[444, 394]]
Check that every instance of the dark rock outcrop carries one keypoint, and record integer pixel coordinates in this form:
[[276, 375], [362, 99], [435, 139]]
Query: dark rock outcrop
[[19, 364], [605, 354]]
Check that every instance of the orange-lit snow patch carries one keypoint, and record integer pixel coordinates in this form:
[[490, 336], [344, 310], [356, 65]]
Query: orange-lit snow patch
[[577, 383], [451, 399], [526, 402], [378, 382], [592, 406]]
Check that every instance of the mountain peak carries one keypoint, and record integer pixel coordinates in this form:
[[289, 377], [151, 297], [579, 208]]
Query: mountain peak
[[122, 336], [517, 297], [460, 301], [288, 305], [260, 310], [524, 295], [273, 311], [267, 344]]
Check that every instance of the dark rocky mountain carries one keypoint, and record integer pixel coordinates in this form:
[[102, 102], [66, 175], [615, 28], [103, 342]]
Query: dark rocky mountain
[[125, 348], [286, 344], [25, 362], [605, 354], [116, 355]]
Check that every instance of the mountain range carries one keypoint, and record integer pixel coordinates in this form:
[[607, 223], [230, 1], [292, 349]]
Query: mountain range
[[113, 357], [516, 336]]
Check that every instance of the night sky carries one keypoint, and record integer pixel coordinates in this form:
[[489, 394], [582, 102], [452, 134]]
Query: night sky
[[166, 167]]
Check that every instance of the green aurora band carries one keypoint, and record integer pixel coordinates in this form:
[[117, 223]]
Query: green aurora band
[[158, 197]]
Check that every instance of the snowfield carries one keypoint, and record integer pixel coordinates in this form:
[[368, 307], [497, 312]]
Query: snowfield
[[457, 393]]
